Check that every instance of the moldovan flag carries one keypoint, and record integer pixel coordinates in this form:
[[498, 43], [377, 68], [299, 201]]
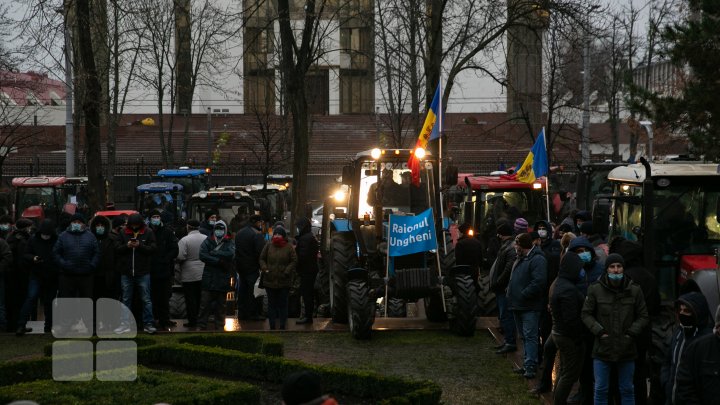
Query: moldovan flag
[[536, 162], [430, 130]]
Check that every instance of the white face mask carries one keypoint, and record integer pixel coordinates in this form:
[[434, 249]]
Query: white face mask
[[543, 233]]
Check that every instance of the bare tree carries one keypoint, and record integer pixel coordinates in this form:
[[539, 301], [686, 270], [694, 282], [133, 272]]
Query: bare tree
[[613, 78], [266, 142]]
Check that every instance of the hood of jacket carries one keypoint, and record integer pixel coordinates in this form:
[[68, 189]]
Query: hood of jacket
[[47, 227], [304, 226], [570, 266], [582, 241], [100, 220], [699, 305], [630, 251], [547, 226]]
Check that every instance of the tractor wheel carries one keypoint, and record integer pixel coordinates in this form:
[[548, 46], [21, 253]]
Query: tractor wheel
[[396, 308], [447, 255], [361, 309], [343, 258], [434, 308], [177, 305], [487, 304], [464, 320]]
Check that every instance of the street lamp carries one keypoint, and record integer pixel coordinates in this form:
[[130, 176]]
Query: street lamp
[[648, 127]]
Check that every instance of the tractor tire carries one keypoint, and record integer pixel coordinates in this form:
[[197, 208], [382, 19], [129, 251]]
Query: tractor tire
[[396, 308], [361, 309], [487, 304], [447, 255], [343, 258], [177, 306], [434, 308], [464, 320]]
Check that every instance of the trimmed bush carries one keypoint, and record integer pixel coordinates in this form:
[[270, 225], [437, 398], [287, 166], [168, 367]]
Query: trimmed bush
[[246, 343], [151, 387]]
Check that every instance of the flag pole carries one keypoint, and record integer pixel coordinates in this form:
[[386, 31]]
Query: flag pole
[[437, 250], [387, 265], [440, 158], [547, 176]]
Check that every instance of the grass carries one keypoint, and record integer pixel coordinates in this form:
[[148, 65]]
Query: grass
[[466, 368]]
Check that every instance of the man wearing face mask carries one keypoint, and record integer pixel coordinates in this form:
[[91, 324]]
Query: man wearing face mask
[[698, 377], [593, 267], [43, 275], [693, 315], [526, 298], [498, 284], [615, 313], [249, 242], [100, 227], [207, 226], [217, 252], [162, 269], [307, 268]]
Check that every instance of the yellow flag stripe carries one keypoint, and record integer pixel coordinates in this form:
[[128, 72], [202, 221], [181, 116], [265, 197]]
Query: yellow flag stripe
[[526, 173]]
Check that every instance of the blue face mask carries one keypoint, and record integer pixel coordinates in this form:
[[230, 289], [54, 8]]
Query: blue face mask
[[210, 222], [76, 227], [219, 233], [586, 257], [4, 227], [100, 230], [155, 221], [615, 277]]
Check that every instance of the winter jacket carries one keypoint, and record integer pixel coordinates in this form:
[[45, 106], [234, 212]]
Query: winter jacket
[[468, 252], [567, 300], [135, 262], [6, 257], [503, 266], [681, 340], [306, 249], [632, 253], [163, 261], [618, 312], [191, 267], [698, 379], [593, 270], [528, 282], [106, 268], [249, 242], [46, 267], [218, 259], [77, 252], [18, 241], [278, 264]]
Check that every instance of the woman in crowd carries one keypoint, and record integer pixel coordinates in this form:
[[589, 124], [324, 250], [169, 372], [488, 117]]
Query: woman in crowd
[[277, 264]]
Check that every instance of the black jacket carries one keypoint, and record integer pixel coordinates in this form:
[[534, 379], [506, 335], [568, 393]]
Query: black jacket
[[468, 252], [527, 289], [6, 257], [698, 380], [18, 241], [249, 242], [106, 268], [163, 261], [306, 249], [46, 267], [567, 300], [503, 266], [135, 262], [77, 252]]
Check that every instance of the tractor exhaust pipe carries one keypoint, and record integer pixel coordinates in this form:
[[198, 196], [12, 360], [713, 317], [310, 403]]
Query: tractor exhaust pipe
[[648, 200]]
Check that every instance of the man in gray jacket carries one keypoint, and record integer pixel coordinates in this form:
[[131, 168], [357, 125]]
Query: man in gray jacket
[[191, 270]]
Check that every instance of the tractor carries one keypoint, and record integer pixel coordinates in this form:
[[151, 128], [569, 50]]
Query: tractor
[[375, 185], [231, 203], [164, 196], [47, 197]]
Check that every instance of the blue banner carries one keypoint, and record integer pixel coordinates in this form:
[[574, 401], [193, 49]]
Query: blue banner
[[412, 234]]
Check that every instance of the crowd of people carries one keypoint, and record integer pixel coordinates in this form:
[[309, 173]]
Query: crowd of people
[[135, 260], [565, 291]]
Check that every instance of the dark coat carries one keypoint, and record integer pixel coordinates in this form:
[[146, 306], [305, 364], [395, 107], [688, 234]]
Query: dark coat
[[163, 261], [218, 263], [680, 340], [698, 380], [503, 267], [106, 267], [77, 252], [249, 242], [18, 241], [528, 282], [278, 264], [6, 257], [205, 228], [135, 262], [47, 267], [468, 252], [307, 250], [567, 300], [618, 312]]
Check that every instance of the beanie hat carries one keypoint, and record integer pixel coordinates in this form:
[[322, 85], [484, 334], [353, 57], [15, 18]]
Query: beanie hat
[[255, 218], [76, 217], [524, 240], [279, 230], [154, 212], [209, 213], [521, 225], [504, 229], [301, 387], [220, 225], [5, 219], [135, 219], [119, 221], [583, 216], [587, 228], [614, 258]]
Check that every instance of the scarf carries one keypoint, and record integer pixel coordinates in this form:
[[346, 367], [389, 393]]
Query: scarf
[[278, 241]]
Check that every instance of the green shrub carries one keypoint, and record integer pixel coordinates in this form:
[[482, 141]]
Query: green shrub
[[247, 343]]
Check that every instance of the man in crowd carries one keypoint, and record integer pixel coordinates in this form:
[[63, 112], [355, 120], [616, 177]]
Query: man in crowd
[[249, 242], [162, 269], [191, 270], [698, 377], [498, 284], [307, 268]]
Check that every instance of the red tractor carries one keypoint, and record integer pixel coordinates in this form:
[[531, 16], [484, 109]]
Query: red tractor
[[43, 197]]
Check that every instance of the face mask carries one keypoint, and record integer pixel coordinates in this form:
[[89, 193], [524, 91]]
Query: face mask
[[4, 227], [75, 227], [615, 277], [219, 233], [211, 222], [155, 221], [586, 257], [686, 321], [542, 233], [100, 230], [45, 237]]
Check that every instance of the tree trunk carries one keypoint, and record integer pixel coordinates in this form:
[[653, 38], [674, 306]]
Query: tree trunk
[[614, 128], [184, 58], [91, 108], [301, 138], [433, 63]]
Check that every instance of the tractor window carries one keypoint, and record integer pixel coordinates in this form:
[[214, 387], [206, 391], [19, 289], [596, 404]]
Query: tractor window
[[685, 218], [42, 196], [512, 205], [394, 191]]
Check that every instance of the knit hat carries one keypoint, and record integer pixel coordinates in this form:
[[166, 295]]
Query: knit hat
[[521, 225], [301, 387], [279, 230], [583, 216], [119, 221], [154, 212], [135, 219], [524, 240], [504, 229], [614, 258], [220, 225], [209, 213], [255, 218], [587, 228], [77, 217]]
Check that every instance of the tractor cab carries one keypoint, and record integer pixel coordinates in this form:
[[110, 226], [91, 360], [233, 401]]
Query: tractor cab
[[166, 197], [273, 200], [232, 204], [43, 197], [192, 180]]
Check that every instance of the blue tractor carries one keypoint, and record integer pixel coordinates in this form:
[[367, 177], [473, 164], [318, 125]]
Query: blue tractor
[[164, 196]]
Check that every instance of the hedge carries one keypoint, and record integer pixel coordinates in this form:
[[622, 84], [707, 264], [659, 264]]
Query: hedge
[[246, 356]]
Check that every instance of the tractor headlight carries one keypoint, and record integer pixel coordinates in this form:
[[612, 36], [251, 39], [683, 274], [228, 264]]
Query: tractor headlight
[[375, 153], [339, 196], [419, 153]]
